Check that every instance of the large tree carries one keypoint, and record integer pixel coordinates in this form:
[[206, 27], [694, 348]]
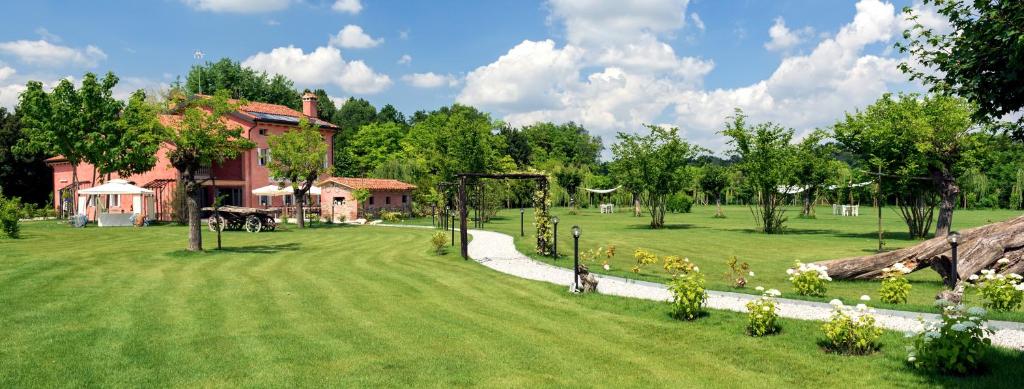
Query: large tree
[[570, 178], [978, 54], [656, 162], [815, 164], [52, 125], [199, 138], [713, 181], [25, 176], [767, 162], [242, 83], [917, 142], [325, 108], [562, 144], [373, 145], [298, 157], [352, 115]]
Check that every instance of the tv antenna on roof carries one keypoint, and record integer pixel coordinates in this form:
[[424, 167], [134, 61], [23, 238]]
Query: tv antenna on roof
[[198, 54]]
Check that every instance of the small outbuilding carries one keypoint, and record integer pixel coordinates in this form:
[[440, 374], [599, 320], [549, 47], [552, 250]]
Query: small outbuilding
[[337, 202]]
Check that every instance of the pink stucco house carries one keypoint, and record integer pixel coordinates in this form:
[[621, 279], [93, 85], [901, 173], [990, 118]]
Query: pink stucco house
[[236, 178], [338, 204]]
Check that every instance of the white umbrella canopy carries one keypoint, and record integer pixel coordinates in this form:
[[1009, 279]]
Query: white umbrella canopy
[[274, 190], [115, 187]]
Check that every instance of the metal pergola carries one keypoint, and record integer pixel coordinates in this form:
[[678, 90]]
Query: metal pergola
[[541, 179]]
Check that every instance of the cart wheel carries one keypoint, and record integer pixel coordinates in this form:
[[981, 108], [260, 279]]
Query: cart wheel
[[216, 223], [253, 224]]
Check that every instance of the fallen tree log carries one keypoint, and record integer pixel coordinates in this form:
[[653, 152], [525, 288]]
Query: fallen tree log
[[979, 248]]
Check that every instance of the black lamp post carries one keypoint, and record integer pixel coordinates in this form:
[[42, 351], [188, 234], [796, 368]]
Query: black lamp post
[[554, 250], [576, 258], [522, 220], [954, 240]]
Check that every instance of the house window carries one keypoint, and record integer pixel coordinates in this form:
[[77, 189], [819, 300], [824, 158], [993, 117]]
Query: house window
[[263, 156], [405, 199], [387, 200], [371, 200], [113, 201], [263, 131], [339, 200], [265, 200], [288, 200]]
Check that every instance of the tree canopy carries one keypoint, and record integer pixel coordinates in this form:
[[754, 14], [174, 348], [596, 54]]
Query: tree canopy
[[242, 83], [298, 157], [653, 165], [767, 162]]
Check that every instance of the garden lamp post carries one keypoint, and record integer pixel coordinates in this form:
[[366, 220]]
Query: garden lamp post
[[576, 258], [451, 218], [554, 250], [954, 240], [522, 220]]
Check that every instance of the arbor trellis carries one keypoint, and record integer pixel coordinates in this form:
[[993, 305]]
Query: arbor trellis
[[542, 207]]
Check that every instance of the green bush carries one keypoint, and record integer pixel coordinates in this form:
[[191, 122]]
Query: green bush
[[809, 279], [762, 314], [440, 242], [895, 287], [679, 203], [688, 293], [390, 216], [851, 331], [10, 212], [956, 344], [1001, 292]]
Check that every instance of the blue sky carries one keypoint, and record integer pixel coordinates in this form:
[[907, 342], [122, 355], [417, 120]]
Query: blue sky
[[610, 65]]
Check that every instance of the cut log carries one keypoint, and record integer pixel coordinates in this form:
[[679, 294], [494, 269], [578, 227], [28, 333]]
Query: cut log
[[979, 248]]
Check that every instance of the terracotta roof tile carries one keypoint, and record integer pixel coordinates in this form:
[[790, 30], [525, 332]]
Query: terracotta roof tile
[[368, 183], [275, 109]]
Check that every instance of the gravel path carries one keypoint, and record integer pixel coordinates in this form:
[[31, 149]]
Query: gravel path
[[497, 251]]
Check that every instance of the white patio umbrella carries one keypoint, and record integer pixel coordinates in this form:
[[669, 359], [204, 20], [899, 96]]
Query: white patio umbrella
[[274, 190]]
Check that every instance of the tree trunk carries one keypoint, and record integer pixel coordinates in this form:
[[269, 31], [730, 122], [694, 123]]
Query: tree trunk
[[300, 200], [979, 248], [74, 190], [948, 192], [195, 237], [636, 204], [718, 205]]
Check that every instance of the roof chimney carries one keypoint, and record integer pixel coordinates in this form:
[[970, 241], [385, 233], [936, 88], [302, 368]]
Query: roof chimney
[[309, 104]]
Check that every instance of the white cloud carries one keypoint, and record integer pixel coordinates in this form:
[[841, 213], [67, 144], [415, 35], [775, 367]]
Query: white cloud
[[324, 64], [9, 95], [430, 80], [238, 6], [405, 59], [603, 85], [697, 22], [353, 37], [349, 6], [600, 22], [47, 35], [783, 38], [44, 53], [6, 71]]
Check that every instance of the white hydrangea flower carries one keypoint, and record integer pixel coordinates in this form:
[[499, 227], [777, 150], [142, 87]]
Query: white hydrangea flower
[[973, 277], [862, 307], [836, 303], [751, 274], [865, 298], [790, 271], [1003, 261], [759, 289], [976, 311], [773, 292]]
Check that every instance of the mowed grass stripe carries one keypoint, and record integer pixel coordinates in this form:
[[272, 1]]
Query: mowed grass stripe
[[373, 307]]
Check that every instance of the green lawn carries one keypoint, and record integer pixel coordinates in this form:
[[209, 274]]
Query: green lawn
[[709, 242], [371, 306]]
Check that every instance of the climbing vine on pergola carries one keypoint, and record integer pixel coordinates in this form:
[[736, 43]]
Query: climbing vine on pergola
[[540, 204]]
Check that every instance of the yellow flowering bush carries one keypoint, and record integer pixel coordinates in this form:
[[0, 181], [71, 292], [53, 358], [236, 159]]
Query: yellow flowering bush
[[762, 315], [895, 287], [850, 330]]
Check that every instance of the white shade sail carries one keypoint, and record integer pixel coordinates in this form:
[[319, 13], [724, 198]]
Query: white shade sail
[[602, 191], [115, 187]]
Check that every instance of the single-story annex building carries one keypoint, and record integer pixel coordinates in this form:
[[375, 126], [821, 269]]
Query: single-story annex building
[[338, 204]]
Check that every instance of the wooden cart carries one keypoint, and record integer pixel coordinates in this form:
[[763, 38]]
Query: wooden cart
[[238, 218]]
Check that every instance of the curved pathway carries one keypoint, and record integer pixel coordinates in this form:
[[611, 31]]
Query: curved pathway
[[498, 251]]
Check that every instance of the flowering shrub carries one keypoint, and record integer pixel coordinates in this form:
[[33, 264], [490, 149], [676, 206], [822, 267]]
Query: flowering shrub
[[895, 287], [688, 293], [851, 330], [762, 318], [440, 242], [738, 271], [1001, 292], [954, 344], [607, 253], [809, 279], [643, 258]]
